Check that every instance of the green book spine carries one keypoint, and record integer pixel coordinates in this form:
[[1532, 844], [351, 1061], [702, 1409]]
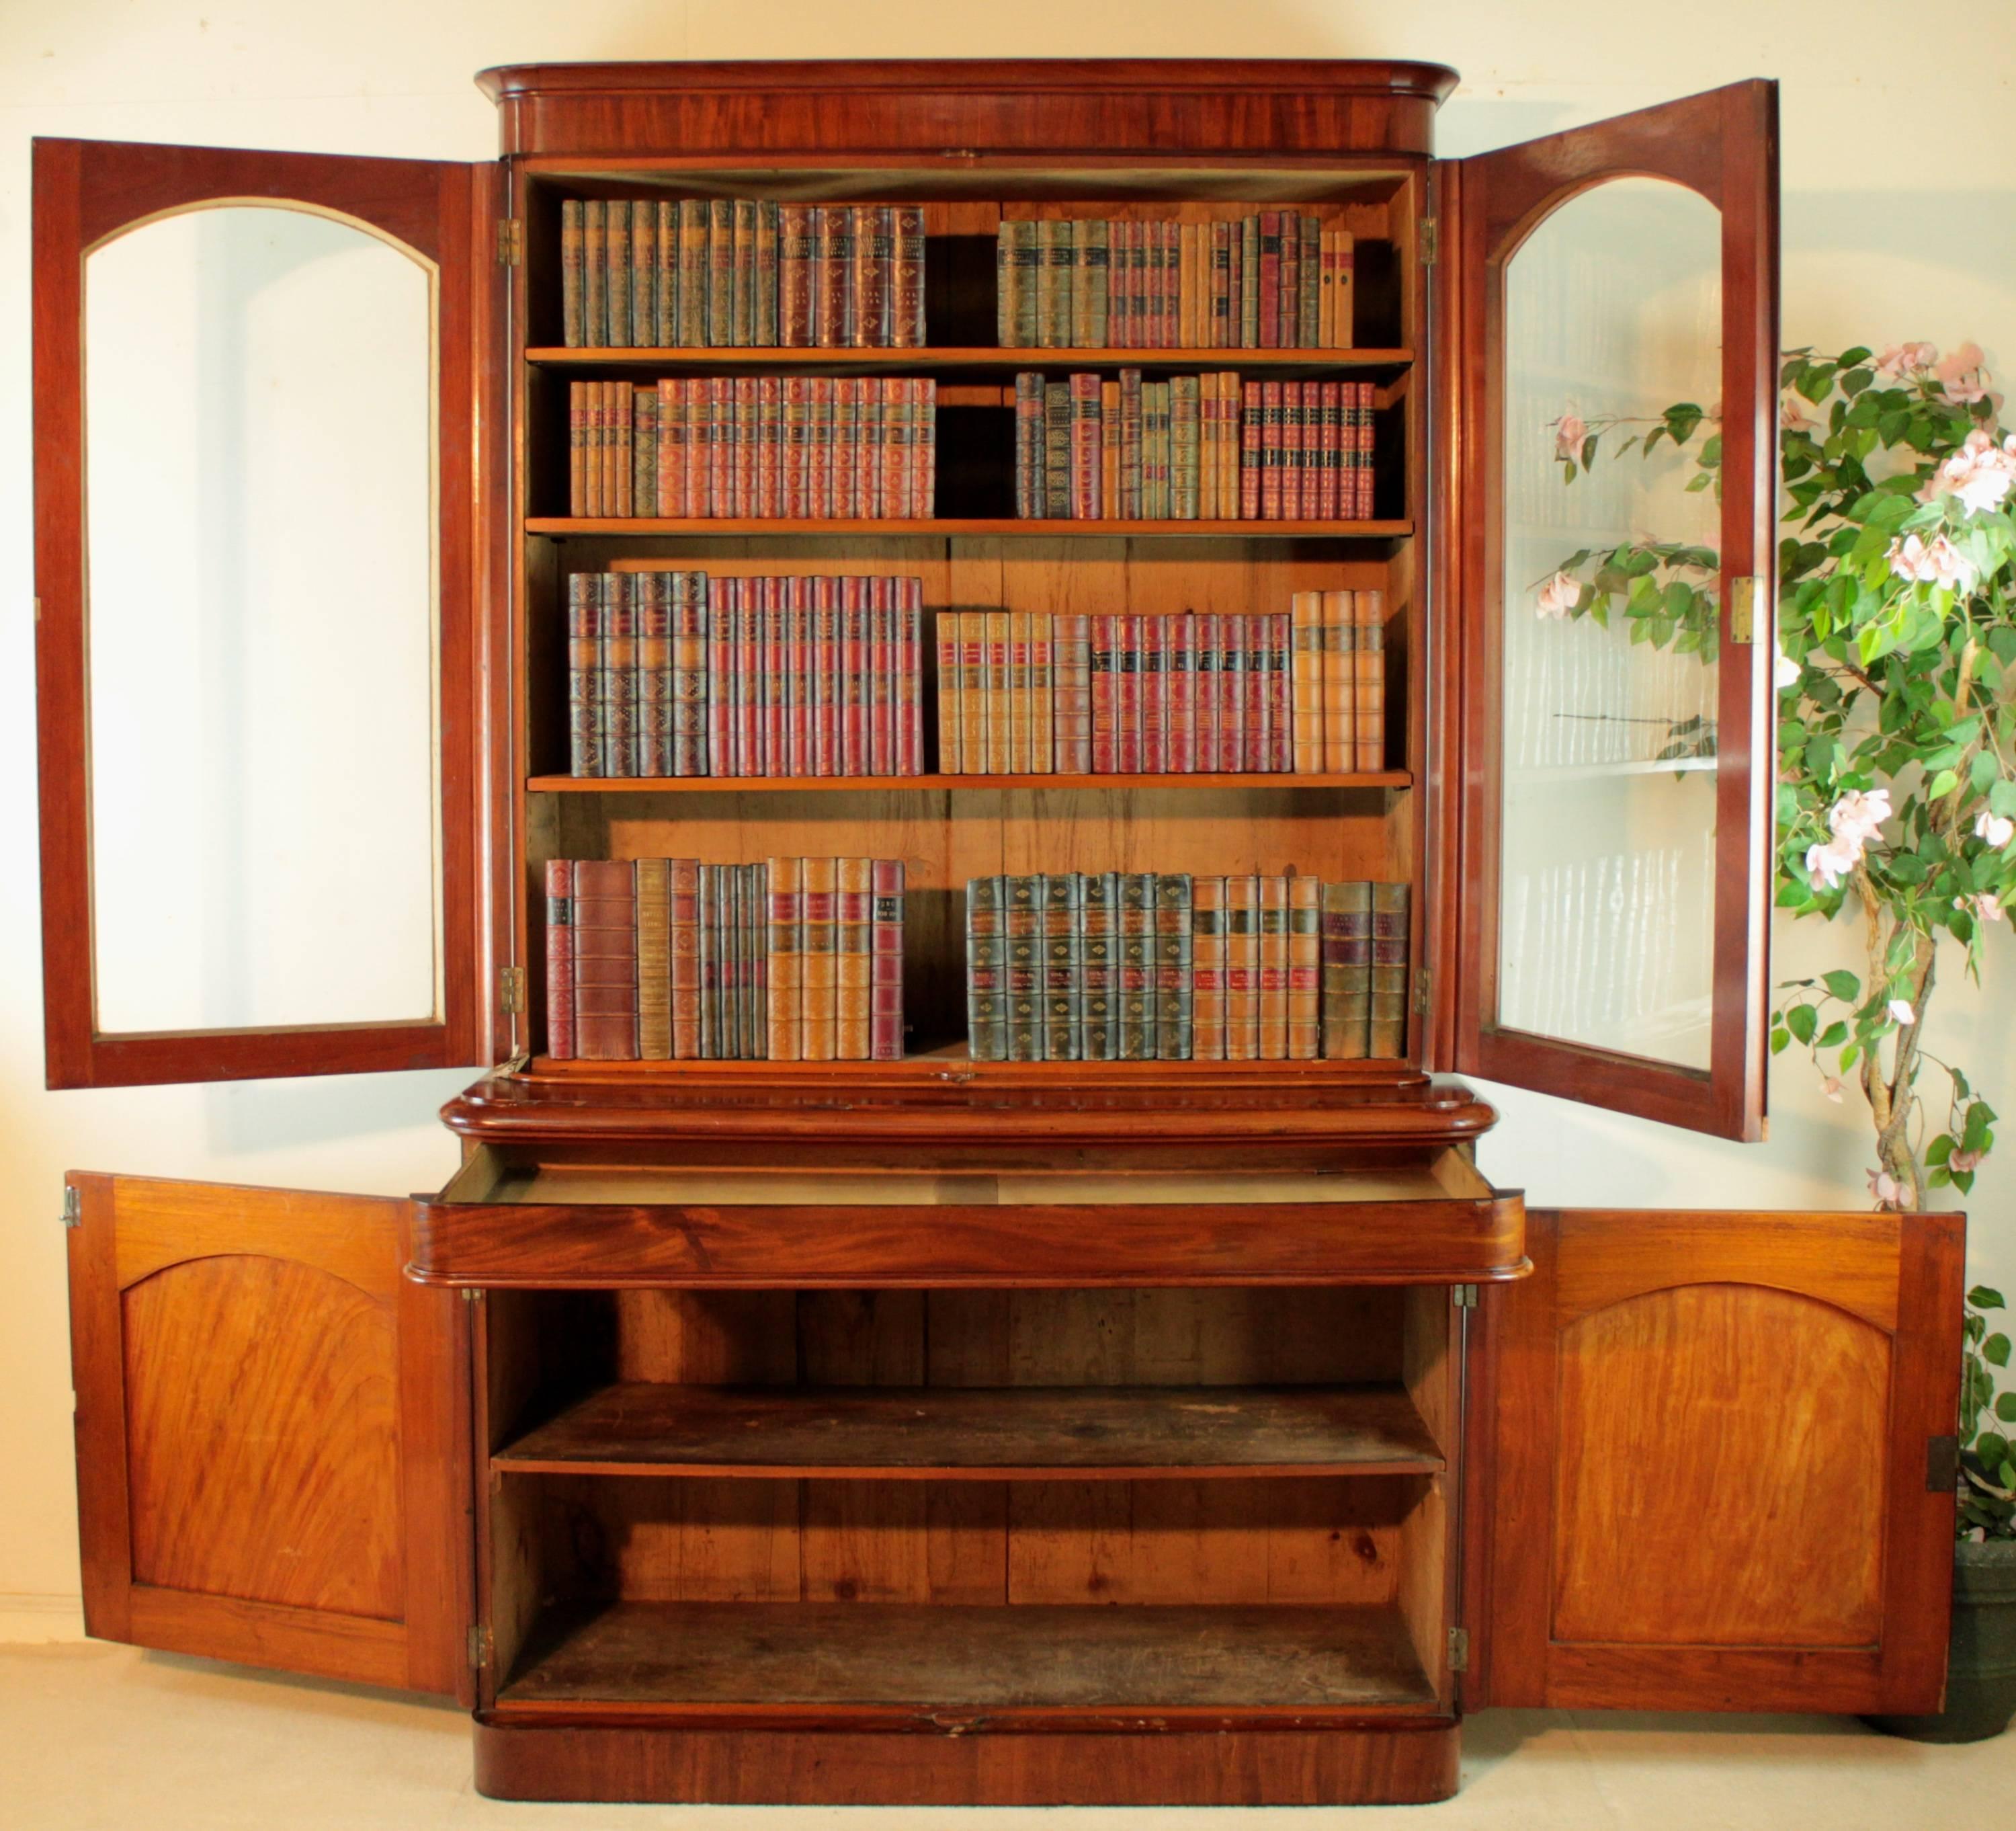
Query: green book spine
[[668, 314], [764, 331], [1138, 991], [1008, 273], [1386, 1039], [1099, 901], [644, 451], [1174, 999], [644, 275], [1311, 324], [1022, 924], [1095, 245], [1249, 288], [742, 310], [1064, 1008], [1184, 397], [695, 242], [1057, 450], [1347, 970], [595, 273], [573, 244], [986, 969], [721, 273], [1028, 264], [615, 275], [1055, 247]]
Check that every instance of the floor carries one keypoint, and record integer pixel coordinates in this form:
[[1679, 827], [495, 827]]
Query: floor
[[100, 1736]]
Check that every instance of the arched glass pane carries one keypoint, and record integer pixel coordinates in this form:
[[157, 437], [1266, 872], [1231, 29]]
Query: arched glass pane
[[261, 609], [1606, 841]]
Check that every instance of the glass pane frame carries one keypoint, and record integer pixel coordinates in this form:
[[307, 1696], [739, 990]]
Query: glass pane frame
[[86, 193], [1724, 145]]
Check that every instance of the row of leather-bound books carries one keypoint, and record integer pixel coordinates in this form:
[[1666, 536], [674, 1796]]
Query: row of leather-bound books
[[1194, 448], [736, 272], [1272, 280], [792, 959], [769, 448], [1301, 691], [680, 674], [1145, 966]]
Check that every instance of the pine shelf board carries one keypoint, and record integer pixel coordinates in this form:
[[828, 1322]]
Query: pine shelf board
[[637, 525], [947, 1433], [865, 784], [980, 356], [916, 1662]]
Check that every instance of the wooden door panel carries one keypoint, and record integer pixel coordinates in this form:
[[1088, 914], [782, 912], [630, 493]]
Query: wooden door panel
[[273, 1432], [1706, 1438]]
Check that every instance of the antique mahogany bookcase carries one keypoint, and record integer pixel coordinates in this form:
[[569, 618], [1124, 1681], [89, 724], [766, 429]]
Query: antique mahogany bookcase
[[939, 1430]]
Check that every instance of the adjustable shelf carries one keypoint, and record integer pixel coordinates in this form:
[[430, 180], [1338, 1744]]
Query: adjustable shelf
[[972, 784], [1010, 526], [982, 360]]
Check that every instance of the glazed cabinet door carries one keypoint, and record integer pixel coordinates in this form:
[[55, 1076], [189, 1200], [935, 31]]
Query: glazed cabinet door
[[1607, 336], [1711, 1463], [265, 528], [273, 1432]]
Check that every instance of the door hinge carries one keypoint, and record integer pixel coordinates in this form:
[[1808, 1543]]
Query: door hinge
[[1743, 608], [1458, 1658], [1424, 988], [481, 1645], [1942, 1464], [511, 990], [1464, 1297], [510, 241], [73, 1207], [472, 1293], [1431, 240]]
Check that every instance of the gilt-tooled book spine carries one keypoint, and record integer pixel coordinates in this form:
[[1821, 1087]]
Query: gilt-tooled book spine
[[795, 447], [1175, 963], [1387, 1037], [1058, 253], [874, 275], [1347, 970], [1252, 416], [1007, 280], [1234, 659], [885, 1008], [619, 676], [1205, 661], [783, 1024], [615, 274], [770, 498], [1085, 448], [1207, 969], [882, 630], [1270, 279], [1071, 694], [1128, 636], [1273, 1015], [1063, 967], [906, 283], [683, 882], [795, 329], [946, 648], [1306, 668], [709, 933], [819, 449], [1150, 660], [728, 926], [1099, 903], [854, 690], [909, 666], [1184, 447], [1102, 682], [1093, 272], [721, 446], [1367, 421], [618, 496], [1280, 729], [1305, 968], [822, 675], [819, 981], [654, 955], [695, 272], [1338, 641], [573, 300], [644, 451], [769, 224], [654, 673], [1272, 452], [671, 483], [1230, 454], [744, 273], [1109, 450], [749, 678], [1291, 451], [1369, 679], [1022, 932], [721, 597], [1017, 700], [1190, 294], [971, 686], [770, 608], [1028, 444], [1179, 678], [853, 958], [756, 1004], [893, 460], [1132, 495], [689, 651], [1136, 946], [1309, 296], [1258, 736], [584, 675], [998, 720], [581, 424], [605, 961], [1344, 326], [1155, 450], [1329, 449], [1211, 390], [872, 415], [1242, 969], [720, 273], [594, 273], [644, 275], [747, 406], [1289, 332], [986, 969], [847, 451], [1057, 450], [798, 679], [1170, 245], [1041, 759], [560, 959], [667, 314], [1249, 282], [844, 311]]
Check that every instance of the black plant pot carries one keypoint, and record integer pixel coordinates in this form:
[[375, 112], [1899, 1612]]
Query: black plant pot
[[1981, 1660]]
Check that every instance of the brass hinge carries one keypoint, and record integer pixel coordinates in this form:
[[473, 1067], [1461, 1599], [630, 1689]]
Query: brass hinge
[[1431, 240], [472, 1293], [1942, 1464], [1459, 1660], [481, 1645], [511, 990], [1424, 988], [1743, 608], [73, 1207], [510, 241], [1464, 1297]]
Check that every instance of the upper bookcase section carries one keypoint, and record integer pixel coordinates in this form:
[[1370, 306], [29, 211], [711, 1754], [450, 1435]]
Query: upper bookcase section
[[1166, 107]]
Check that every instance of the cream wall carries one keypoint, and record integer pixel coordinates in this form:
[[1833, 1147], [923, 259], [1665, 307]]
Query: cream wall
[[1899, 220]]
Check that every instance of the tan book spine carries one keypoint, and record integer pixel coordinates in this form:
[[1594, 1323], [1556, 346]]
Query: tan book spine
[[1020, 700], [1388, 1040], [972, 693], [1242, 969], [1343, 313], [1000, 714], [1368, 674], [818, 1007], [1347, 970], [1305, 968], [786, 1024], [1188, 287], [1273, 1014], [852, 957], [946, 648], [1339, 756], [580, 424], [1209, 408], [654, 958], [1327, 292], [1207, 969], [1109, 451], [1042, 678], [683, 880], [623, 413], [1305, 618]]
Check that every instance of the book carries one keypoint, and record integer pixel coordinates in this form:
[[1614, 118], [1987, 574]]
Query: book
[[604, 910], [573, 293], [560, 959], [1347, 970], [1099, 903], [1242, 969], [1021, 926], [1339, 690], [1208, 935], [1063, 966], [885, 1014], [654, 959], [853, 958], [819, 976], [1306, 708], [1175, 964], [1387, 1023], [584, 696], [1138, 989], [1304, 1013], [682, 879], [1273, 1011], [1368, 675], [986, 969]]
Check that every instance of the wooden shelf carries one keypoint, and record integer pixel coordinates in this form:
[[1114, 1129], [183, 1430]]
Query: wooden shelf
[[952, 1060], [1017, 1433], [916, 1662], [638, 525], [978, 784], [976, 357]]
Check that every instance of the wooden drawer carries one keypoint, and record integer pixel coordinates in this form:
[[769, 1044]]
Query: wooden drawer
[[518, 1216]]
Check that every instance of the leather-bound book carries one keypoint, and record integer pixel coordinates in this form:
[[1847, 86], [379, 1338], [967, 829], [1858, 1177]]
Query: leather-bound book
[[1042, 758], [1184, 447], [1273, 896], [580, 429], [820, 447], [1058, 253], [885, 1007], [853, 955], [742, 473], [708, 933], [1008, 280], [560, 959], [722, 598], [971, 686], [584, 674], [573, 300], [1155, 447], [1084, 503], [749, 640], [1057, 450], [619, 676], [1242, 969], [1131, 458], [822, 676], [1099, 1008], [1175, 966], [987, 969], [666, 318], [682, 883], [616, 272], [906, 281], [595, 273], [1280, 728], [770, 606], [1305, 667], [854, 690], [1270, 279], [1151, 661], [795, 329], [721, 446], [1169, 240], [619, 490], [893, 458], [1289, 336], [798, 595], [1249, 286], [1128, 638], [756, 957], [1308, 297], [1090, 296], [768, 233], [1188, 292], [1229, 454], [882, 627], [688, 593], [743, 318], [654, 960], [819, 978], [924, 392], [1022, 937], [1234, 658], [999, 719], [949, 697], [844, 313], [1017, 702], [1368, 674], [1366, 423], [1103, 661], [1109, 451], [671, 488], [1220, 312], [847, 450], [695, 272], [1063, 966], [1028, 444], [873, 233], [769, 503], [1205, 660], [1339, 725], [909, 667], [1273, 449], [1207, 969], [698, 417], [1179, 653], [1347, 970], [1387, 1034], [1138, 990], [721, 273], [644, 275], [1330, 501], [1252, 426], [654, 672], [605, 961], [1305, 968], [1344, 329], [794, 448]]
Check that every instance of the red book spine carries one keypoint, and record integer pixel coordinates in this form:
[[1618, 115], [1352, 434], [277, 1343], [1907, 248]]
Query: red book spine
[[854, 689], [1270, 279], [749, 667], [694, 413], [885, 1002], [746, 401], [721, 446], [906, 285], [1085, 448], [796, 455], [1280, 700], [1253, 746], [1251, 415], [560, 958], [1071, 694], [818, 483], [720, 663], [1292, 451], [1104, 695], [1204, 689], [823, 677], [776, 626], [1270, 451], [1364, 510], [794, 277], [894, 459], [1328, 502], [1154, 702], [605, 961], [769, 429], [690, 620], [671, 447], [1232, 694], [924, 448], [1127, 735], [797, 699], [909, 673], [1172, 267], [881, 676], [1179, 690]]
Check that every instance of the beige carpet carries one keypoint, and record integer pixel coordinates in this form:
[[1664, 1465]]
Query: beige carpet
[[95, 1737]]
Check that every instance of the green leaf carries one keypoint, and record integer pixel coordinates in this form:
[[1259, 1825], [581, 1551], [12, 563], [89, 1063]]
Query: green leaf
[[1995, 1351], [1943, 784], [1780, 1040], [1589, 450], [1985, 1297], [1843, 984], [1801, 1020], [2005, 1409]]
